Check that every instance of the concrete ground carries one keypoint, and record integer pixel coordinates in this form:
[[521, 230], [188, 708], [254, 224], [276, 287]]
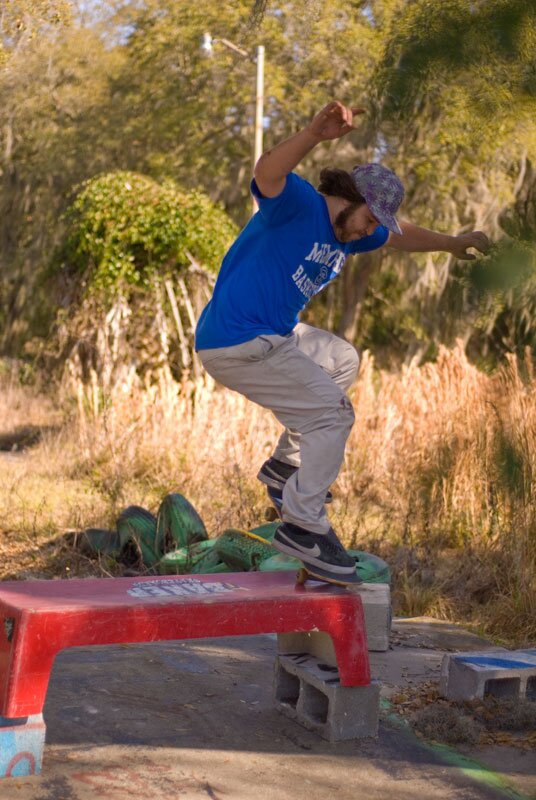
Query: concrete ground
[[196, 720]]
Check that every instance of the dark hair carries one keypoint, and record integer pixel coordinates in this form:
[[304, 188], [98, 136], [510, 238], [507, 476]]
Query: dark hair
[[339, 183]]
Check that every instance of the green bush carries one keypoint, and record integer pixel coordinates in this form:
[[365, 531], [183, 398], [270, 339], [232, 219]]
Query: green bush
[[125, 228]]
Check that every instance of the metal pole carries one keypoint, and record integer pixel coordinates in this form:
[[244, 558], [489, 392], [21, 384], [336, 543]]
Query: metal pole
[[259, 102]]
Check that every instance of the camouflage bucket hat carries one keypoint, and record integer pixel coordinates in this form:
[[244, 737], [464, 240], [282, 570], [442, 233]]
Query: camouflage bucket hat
[[383, 192]]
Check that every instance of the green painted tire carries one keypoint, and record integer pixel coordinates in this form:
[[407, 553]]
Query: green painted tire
[[199, 558], [178, 524], [279, 562], [98, 540], [137, 533], [371, 568], [242, 550], [267, 531]]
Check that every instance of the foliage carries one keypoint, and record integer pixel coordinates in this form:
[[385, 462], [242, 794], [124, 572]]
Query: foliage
[[130, 278], [23, 20], [487, 50], [124, 228], [501, 290], [51, 138]]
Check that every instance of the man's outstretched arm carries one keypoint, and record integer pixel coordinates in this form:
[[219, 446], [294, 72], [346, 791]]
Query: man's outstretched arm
[[422, 240], [272, 168]]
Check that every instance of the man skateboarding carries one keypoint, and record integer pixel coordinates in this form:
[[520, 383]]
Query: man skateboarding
[[249, 338]]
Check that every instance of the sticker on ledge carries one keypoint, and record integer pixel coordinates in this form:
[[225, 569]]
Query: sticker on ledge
[[183, 588]]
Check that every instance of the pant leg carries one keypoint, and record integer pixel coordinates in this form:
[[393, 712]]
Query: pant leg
[[338, 358], [273, 372]]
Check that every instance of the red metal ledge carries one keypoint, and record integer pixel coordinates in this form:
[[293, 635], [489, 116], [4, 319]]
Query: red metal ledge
[[40, 618]]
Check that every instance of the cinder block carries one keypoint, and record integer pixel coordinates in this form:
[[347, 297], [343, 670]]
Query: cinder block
[[503, 674], [309, 692], [376, 599], [22, 742]]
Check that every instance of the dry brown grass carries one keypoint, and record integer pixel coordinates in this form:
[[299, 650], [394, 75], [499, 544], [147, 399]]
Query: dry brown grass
[[20, 405], [439, 476]]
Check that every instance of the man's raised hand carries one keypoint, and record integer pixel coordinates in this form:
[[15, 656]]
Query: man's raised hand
[[334, 121]]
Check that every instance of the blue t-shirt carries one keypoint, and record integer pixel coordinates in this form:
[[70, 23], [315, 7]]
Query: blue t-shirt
[[286, 254]]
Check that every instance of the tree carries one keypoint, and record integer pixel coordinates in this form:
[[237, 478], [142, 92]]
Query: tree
[[50, 91], [201, 110]]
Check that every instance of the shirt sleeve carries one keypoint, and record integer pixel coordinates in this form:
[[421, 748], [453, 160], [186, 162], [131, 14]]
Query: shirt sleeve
[[296, 198], [372, 242]]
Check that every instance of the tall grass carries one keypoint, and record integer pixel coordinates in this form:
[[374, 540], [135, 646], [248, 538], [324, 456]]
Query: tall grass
[[439, 475]]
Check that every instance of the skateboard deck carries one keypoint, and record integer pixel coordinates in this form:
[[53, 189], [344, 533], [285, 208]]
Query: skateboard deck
[[306, 573]]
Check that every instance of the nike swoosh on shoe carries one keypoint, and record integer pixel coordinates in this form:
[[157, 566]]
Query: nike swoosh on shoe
[[310, 551]]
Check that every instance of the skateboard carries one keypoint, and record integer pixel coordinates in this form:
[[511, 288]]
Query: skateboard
[[307, 573]]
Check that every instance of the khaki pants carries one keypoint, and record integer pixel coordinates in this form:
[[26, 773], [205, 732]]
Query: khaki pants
[[302, 378]]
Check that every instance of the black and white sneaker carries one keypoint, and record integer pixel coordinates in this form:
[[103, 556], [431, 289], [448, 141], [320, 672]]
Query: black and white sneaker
[[275, 474], [322, 553]]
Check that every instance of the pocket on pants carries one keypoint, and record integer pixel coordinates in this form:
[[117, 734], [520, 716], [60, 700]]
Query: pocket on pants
[[267, 344], [264, 347], [256, 349], [253, 350]]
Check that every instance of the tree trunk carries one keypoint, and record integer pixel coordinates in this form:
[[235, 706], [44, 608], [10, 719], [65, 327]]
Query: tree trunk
[[355, 279]]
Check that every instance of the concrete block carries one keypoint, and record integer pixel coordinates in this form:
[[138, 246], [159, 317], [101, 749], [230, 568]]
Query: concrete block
[[22, 742], [376, 599], [505, 674], [309, 692]]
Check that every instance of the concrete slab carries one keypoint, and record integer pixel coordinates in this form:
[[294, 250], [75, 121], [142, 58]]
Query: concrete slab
[[518, 766], [418, 646], [196, 720], [437, 634]]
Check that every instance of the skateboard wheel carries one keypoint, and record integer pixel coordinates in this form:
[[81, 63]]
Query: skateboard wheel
[[301, 575]]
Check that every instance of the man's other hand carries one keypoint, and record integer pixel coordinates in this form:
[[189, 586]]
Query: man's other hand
[[334, 121], [460, 243]]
